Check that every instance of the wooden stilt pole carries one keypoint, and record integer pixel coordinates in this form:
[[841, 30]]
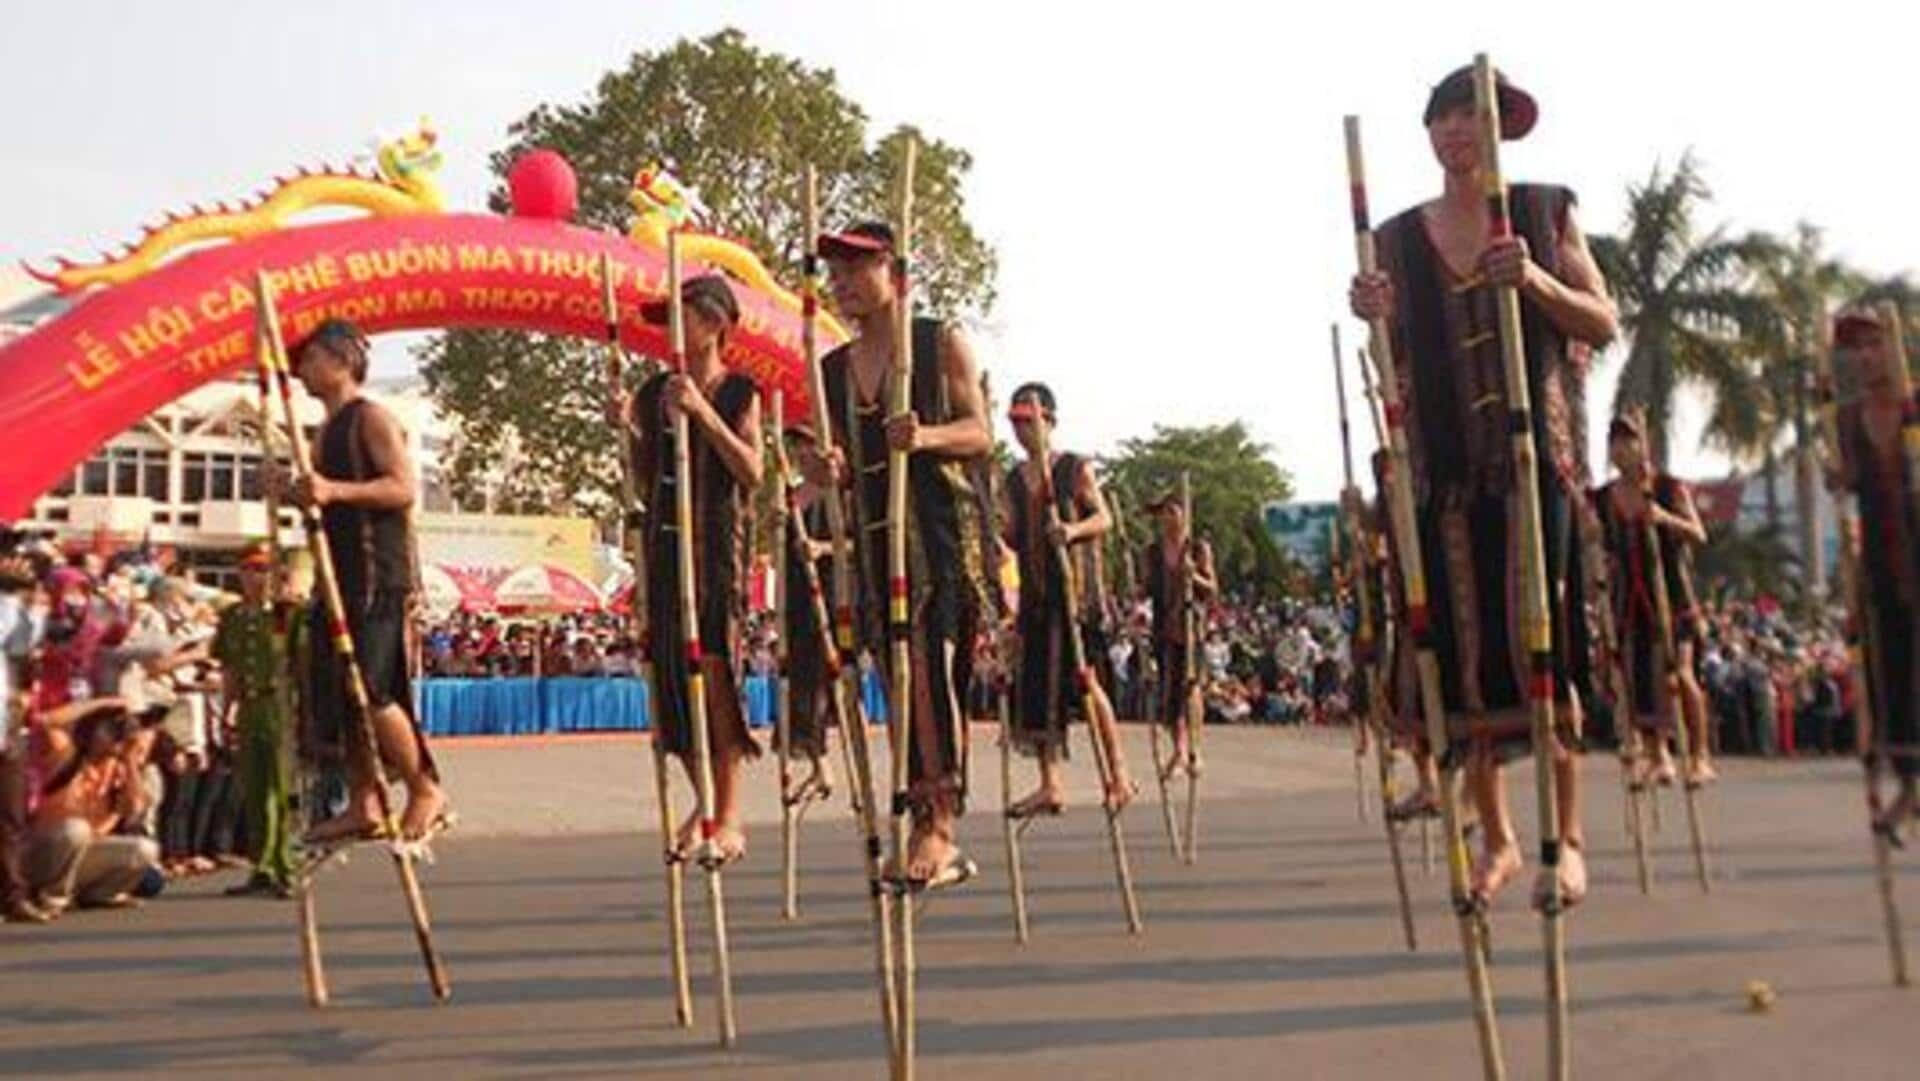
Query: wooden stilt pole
[[1413, 575], [1862, 648], [328, 585], [632, 521], [1670, 661], [1633, 790], [783, 732], [1083, 677], [707, 852], [1368, 642], [1193, 704], [312, 968], [1536, 612], [899, 613], [842, 673]]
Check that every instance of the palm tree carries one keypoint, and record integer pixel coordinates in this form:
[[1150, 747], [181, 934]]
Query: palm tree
[[1800, 286], [1682, 303]]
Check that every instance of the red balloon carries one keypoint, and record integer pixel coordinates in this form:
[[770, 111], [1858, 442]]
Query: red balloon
[[542, 185]]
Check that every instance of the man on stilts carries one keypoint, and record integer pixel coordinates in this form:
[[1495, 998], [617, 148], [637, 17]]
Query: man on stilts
[[945, 427], [726, 465], [1624, 507], [1179, 573], [1879, 471], [1437, 289], [1047, 695], [363, 482]]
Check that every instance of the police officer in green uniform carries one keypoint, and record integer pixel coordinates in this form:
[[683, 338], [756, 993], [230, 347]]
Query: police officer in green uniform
[[251, 646]]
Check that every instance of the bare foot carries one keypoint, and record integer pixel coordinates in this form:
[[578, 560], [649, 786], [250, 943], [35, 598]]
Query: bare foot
[[1496, 866], [928, 852], [1663, 769], [684, 837], [355, 823], [1572, 877], [1423, 803], [729, 844], [1045, 801], [424, 805], [1120, 793], [1702, 772]]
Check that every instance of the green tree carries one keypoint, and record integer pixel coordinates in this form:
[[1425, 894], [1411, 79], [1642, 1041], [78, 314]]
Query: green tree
[[739, 125], [1233, 476], [1682, 303]]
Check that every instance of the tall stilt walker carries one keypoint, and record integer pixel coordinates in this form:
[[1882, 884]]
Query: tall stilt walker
[[1648, 524], [1462, 366], [907, 417], [837, 655], [1053, 503], [1179, 577], [696, 559], [355, 498], [1874, 467]]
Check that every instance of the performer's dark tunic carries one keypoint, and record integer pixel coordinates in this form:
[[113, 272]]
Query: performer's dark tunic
[[805, 650], [719, 556], [374, 563], [945, 580], [1447, 341], [1175, 651], [1047, 696], [1635, 618], [1889, 548]]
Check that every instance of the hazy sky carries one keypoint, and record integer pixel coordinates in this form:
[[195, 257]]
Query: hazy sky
[[1164, 182]]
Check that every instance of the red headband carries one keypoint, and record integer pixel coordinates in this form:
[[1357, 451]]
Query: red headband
[[1019, 411]]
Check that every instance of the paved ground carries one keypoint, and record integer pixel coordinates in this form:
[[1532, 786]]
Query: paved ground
[[1278, 956]]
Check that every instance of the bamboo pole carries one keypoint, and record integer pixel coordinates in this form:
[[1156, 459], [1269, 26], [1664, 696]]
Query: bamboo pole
[[1083, 676], [312, 968], [1632, 790], [1670, 660], [1859, 638], [1414, 580], [1012, 828], [328, 583], [683, 480], [899, 614], [1193, 704], [1367, 639], [783, 518], [1535, 613], [844, 675], [631, 540]]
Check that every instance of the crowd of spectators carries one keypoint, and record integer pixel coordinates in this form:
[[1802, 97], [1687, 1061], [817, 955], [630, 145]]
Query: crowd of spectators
[[116, 747]]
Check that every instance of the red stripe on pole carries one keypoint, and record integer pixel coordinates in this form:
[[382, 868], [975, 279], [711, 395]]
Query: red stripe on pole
[[1417, 619], [1357, 195], [1395, 414], [693, 651], [1540, 686], [1083, 679], [708, 828], [897, 587], [338, 628]]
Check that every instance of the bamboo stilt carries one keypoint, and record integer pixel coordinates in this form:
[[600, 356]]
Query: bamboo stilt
[[1536, 613]]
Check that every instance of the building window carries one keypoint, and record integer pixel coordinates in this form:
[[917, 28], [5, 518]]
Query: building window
[[126, 471], [250, 479], [220, 478], [153, 476], [193, 479], [94, 476]]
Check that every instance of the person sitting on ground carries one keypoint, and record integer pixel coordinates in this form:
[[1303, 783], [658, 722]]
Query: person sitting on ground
[[93, 784]]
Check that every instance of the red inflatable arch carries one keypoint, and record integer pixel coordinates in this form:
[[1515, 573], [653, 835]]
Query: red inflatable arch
[[127, 349]]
